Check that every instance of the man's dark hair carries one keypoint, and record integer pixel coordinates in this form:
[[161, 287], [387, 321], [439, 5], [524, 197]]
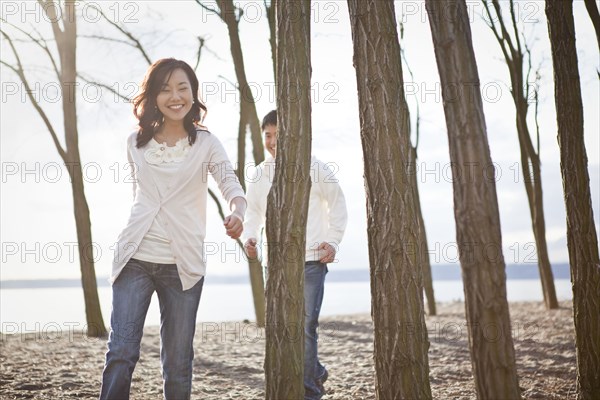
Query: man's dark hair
[[269, 119]]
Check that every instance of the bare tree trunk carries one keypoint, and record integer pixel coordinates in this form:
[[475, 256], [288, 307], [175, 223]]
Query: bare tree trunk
[[241, 150], [425, 264], [475, 205], [536, 208], [514, 55], [423, 246], [287, 206], [592, 9], [67, 43], [248, 119], [400, 343], [257, 284], [582, 240], [270, 8], [248, 105], [66, 71], [93, 313]]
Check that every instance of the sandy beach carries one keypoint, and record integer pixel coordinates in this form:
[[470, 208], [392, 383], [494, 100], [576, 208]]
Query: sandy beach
[[229, 358]]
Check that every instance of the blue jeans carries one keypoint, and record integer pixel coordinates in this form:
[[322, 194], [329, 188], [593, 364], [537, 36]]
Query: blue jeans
[[314, 285], [132, 292]]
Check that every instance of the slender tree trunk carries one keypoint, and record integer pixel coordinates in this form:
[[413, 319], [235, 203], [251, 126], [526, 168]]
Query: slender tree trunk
[[66, 41], [425, 264], [539, 233], [93, 313], [592, 9], [66, 70], [514, 55], [423, 246], [272, 42], [582, 240], [287, 206], [248, 105], [248, 120], [257, 284], [475, 205], [530, 165], [241, 150], [400, 343]]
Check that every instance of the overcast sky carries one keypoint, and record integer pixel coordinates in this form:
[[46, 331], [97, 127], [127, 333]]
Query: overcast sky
[[38, 228]]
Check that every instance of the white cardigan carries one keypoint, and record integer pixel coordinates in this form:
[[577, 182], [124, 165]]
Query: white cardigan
[[182, 208]]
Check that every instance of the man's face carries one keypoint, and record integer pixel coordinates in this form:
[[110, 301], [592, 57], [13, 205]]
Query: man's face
[[270, 133]]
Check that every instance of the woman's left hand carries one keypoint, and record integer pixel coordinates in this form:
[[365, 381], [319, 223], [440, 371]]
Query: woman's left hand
[[234, 226]]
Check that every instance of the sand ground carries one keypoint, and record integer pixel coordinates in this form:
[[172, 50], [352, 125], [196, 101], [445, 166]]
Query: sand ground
[[229, 359]]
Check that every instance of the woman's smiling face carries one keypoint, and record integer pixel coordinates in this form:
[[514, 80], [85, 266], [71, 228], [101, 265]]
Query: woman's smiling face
[[175, 98]]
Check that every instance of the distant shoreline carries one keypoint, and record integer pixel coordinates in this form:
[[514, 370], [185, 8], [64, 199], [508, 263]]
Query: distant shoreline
[[446, 272]]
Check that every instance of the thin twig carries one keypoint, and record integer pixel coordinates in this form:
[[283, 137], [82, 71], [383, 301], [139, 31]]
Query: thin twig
[[136, 42], [103, 85], [21, 74], [41, 42]]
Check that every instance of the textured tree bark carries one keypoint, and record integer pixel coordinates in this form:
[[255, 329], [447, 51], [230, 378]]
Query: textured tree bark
[[514, 55], [582, 240], [287, 206], [400, 342], [66, 41], [475, 204]]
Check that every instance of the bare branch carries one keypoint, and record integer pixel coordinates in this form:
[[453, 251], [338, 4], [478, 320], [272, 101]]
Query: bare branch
[[40, 41], [514, 24], [136, 43], [537, 103], [200, 46], [505, 35], [492, 26], [228, 80], [217, 202], [220, 210], [529, 67], [21, 74], [103, 85], [209, 9], [412, 76], [215, 54], [108, 39]]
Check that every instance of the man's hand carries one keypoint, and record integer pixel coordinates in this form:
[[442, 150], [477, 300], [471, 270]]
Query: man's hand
[[234, 226], [250, 247], [327, 252]]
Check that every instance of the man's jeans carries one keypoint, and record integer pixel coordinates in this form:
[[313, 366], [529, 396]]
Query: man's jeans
[[132, 292], [314, 282]]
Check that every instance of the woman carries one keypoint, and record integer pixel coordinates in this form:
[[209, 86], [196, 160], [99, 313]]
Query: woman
[[161, 248]]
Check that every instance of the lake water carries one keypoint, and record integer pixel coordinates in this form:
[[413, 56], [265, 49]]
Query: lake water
[[50, 309]]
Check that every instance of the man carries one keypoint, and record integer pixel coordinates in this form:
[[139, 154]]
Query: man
[[325, 227]]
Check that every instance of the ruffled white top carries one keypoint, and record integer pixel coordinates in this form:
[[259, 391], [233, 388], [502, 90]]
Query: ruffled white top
[[158, 153], [164, 161]]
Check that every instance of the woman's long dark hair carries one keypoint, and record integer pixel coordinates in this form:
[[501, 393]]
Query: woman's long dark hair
[[146, 110]]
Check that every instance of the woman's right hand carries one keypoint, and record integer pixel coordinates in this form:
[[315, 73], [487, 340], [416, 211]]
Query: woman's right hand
[[233, 226]]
